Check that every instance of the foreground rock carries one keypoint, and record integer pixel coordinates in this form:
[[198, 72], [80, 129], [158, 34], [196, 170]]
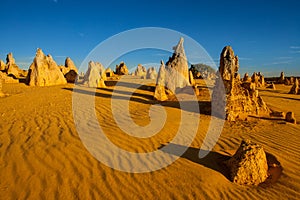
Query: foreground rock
[[122, 69], [248, 166], [236, 100], [69, 70], [290, 117], [44, 71], [95, 75]]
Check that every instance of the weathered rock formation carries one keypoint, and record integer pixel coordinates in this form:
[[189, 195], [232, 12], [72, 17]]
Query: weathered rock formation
[[177, 66], [160, 92], [174, 75], [203, 71], [2, 66], [248, 166], [7, 79], [191, 78], [246, 78], [109, 72], [94, 77], [239, 99], [292, 80], [12, 68], [44, 71], [69, 70], [272, 86], [258, 79], [151, 73], [122, 69], [290, 117], [295, 88], [140, 71], [281, 78]]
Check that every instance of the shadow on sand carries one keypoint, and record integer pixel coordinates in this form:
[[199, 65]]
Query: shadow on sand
[[204, 106], [212, 160], [215, 161]]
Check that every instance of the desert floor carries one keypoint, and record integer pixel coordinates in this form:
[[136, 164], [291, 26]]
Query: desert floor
[[42, 156]]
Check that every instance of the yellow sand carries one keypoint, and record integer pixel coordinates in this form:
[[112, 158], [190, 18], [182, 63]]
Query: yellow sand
[[42, 157]]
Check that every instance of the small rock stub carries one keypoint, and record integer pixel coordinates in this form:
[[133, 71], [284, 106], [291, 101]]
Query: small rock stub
[[290, 117], [249, 165]]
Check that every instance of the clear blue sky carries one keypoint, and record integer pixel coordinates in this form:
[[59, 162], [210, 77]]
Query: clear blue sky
[[264, 34]]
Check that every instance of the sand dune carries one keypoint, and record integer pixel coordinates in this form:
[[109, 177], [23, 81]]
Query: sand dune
[[42, 156]]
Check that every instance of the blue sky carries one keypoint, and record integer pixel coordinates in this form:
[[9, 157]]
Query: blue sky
[[264, 34]]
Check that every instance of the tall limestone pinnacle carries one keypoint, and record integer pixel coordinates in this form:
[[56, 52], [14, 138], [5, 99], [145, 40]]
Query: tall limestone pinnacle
[[236, 100], [178, 49], [229, 63], [178, 68], [174, 75]]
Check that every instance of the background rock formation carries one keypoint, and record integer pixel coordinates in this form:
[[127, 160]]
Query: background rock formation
[[281, 78], [140, 71], [109, 72], [12, 68], [248, 166], [177, 67], [122, 69], [203, 71], [174, 75], [69, 70], [44, 71], [151, 73], [295, 88], [241, 99], [160, 93], [95, 75], [7, 79]]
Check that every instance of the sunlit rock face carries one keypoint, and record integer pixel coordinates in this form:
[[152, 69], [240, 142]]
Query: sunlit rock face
[[236, 99], [174, 75], [95, 75], [69, 70], [122, 69], [248, 166], [151, 73], [177, 67], [12, 69], [44, 71]]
